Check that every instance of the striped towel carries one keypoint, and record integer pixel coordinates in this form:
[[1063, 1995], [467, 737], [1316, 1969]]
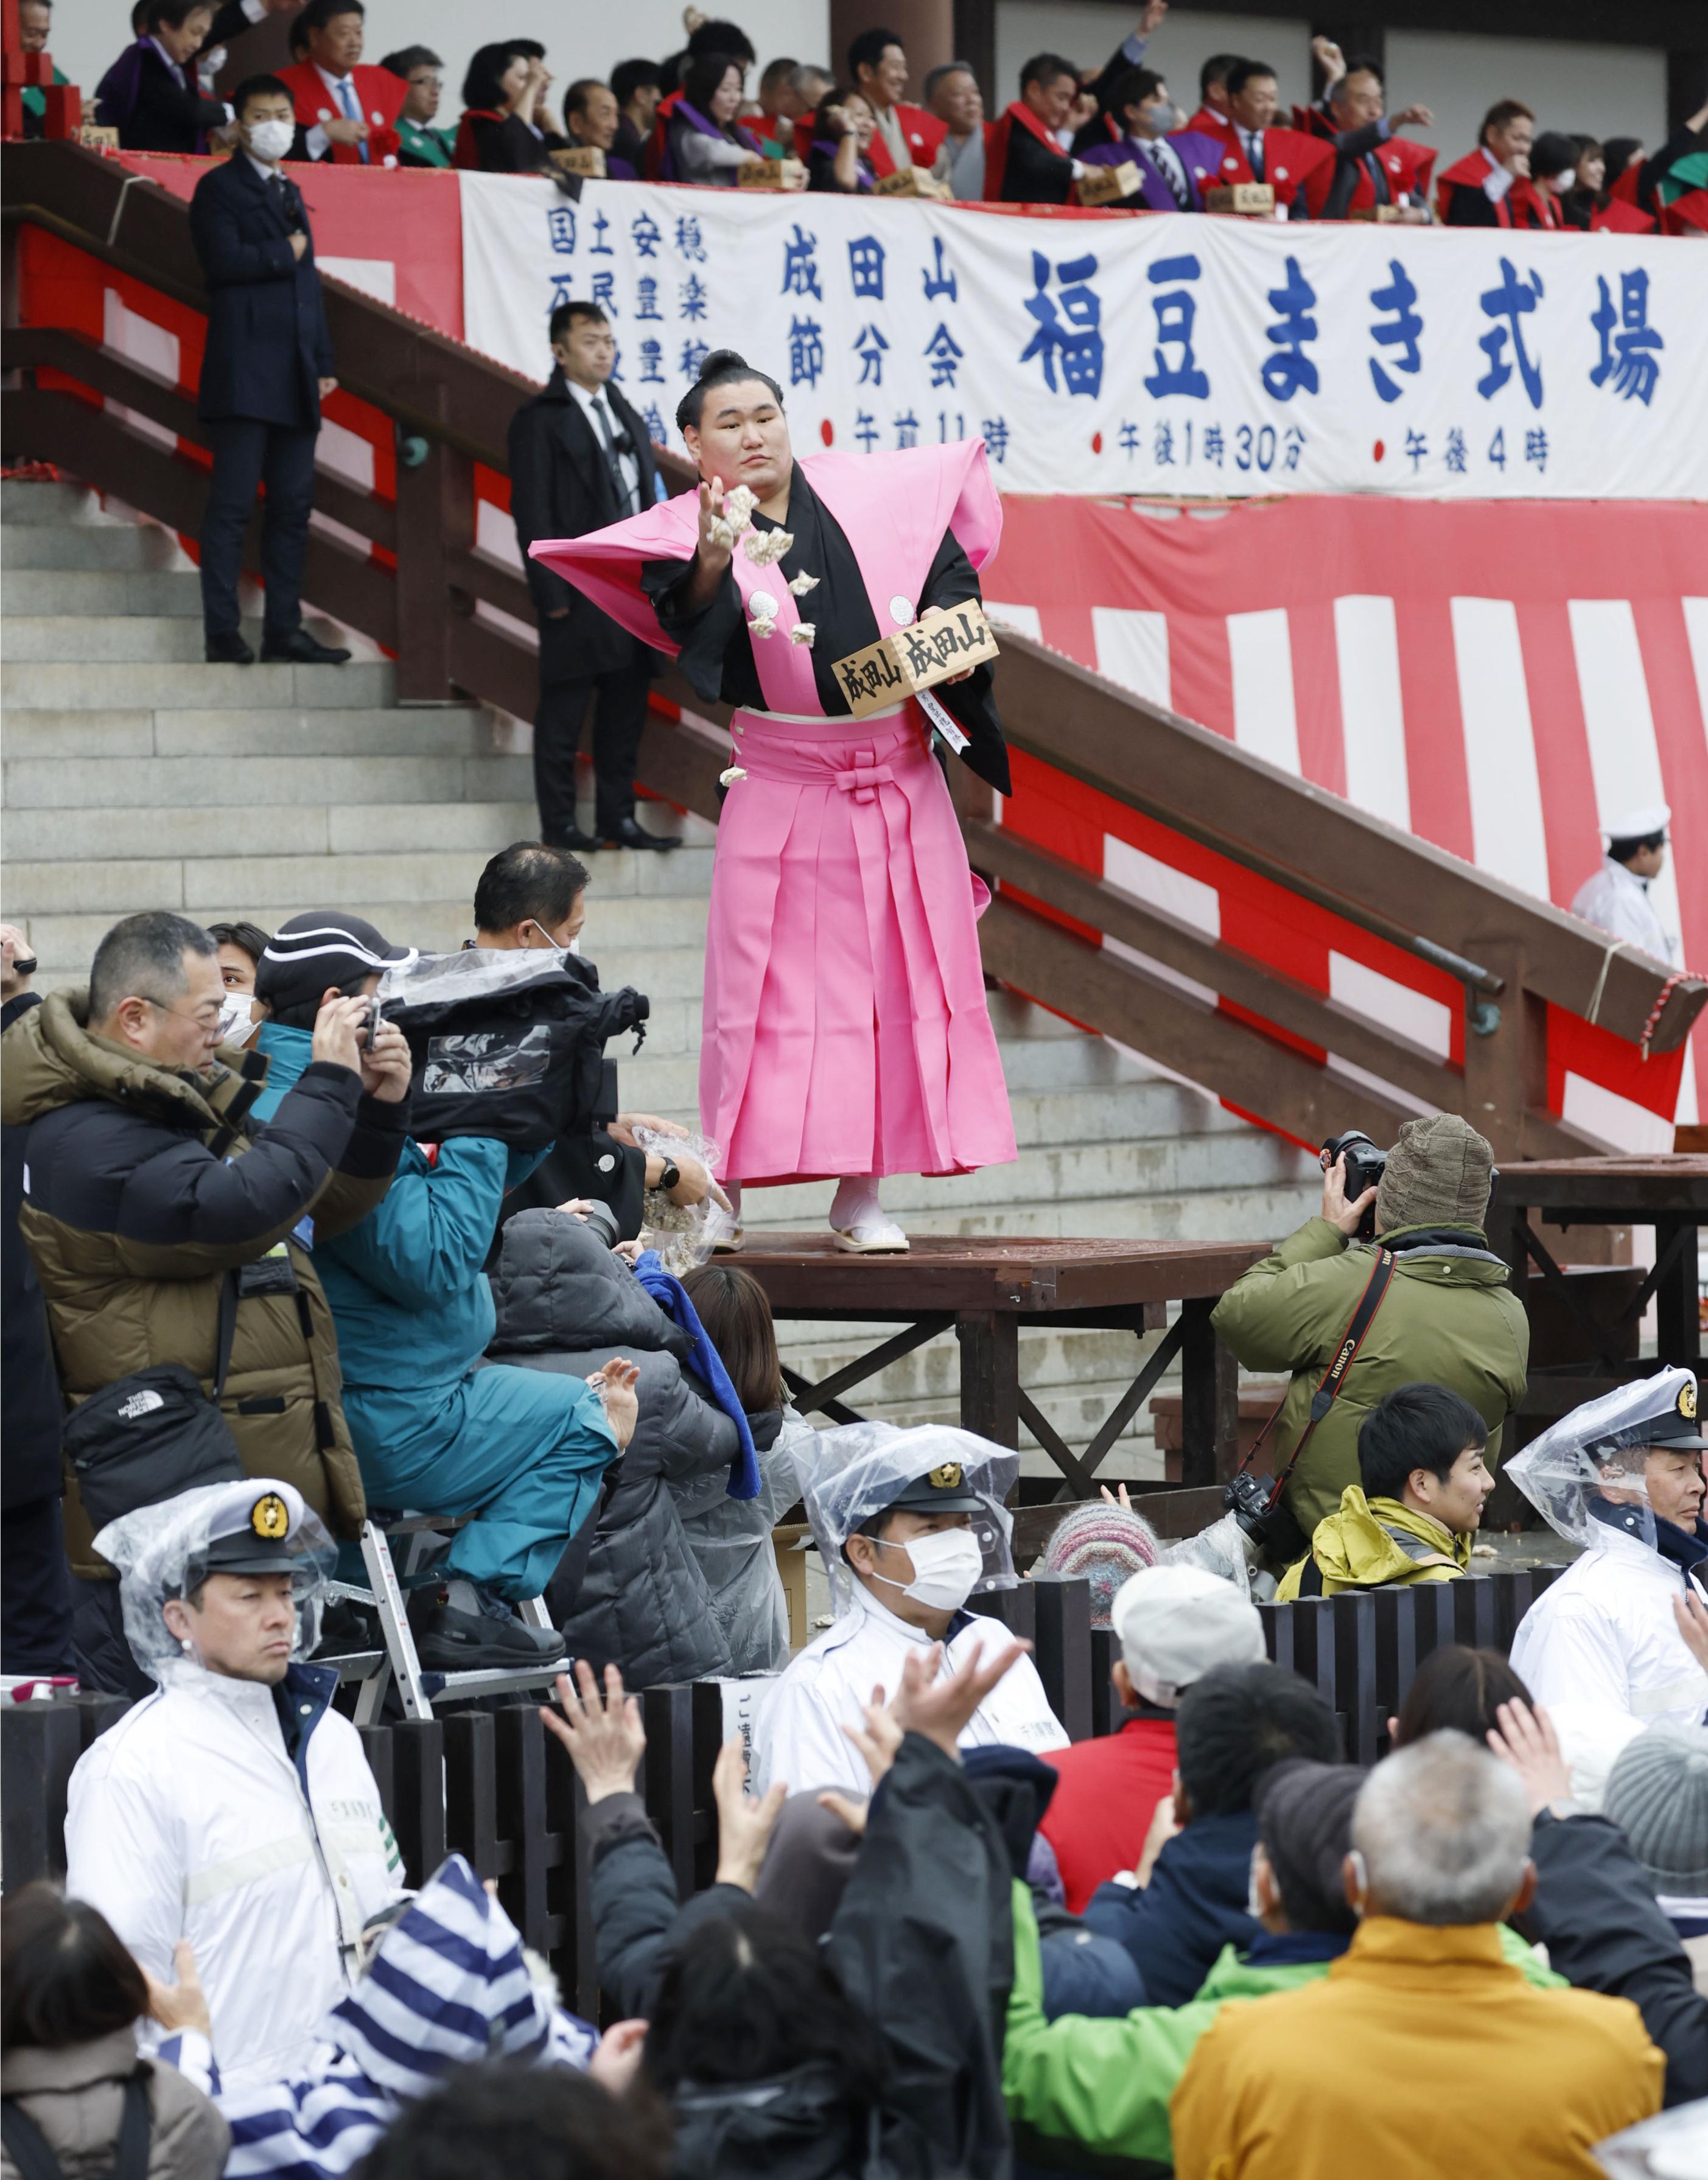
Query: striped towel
[[448, 1986]]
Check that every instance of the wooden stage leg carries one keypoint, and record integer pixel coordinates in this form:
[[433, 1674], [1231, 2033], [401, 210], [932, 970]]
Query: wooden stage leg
[[990, 1374], [1210, 1399], [1678, 1321]]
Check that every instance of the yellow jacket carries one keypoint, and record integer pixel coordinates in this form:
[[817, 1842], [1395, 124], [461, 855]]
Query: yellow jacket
[[1419, 2053], [1360, 1549]]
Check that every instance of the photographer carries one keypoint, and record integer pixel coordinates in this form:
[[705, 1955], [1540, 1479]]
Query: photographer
[[532, 897], [524, 1453], [1448, 1316]]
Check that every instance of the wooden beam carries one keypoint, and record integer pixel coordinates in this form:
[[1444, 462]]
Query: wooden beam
[[1205, 786]]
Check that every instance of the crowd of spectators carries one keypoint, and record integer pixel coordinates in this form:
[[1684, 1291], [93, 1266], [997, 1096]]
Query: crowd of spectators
[[699, 114], [281, 1259]]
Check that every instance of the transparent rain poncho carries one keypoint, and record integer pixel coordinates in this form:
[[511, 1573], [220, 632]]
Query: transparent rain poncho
[[1223, 1549], [851, 1473], [477, 973], [161, 1551], [1599, 1451]]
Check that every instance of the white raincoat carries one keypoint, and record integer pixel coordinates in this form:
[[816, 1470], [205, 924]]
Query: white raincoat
[[191, 1817], [1621, 904], [798, 1736]]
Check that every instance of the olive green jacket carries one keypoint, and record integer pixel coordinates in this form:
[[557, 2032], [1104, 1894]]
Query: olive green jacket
[[1449, 1318], [145, 1187]]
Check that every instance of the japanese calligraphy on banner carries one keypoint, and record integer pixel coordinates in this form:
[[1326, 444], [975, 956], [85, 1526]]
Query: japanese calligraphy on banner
[[1158, 355]]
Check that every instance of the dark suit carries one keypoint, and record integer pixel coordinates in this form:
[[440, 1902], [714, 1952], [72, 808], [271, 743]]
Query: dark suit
[[267, 350], [169, 114], [562, 486]]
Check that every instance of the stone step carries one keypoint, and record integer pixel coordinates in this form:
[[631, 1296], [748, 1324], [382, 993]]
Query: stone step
[[152, 638], [78, 548], [110, 685], [413, 731], [175, 591], [240, 783], [24, 500]]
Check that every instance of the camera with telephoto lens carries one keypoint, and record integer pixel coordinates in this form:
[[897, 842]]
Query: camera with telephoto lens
[[602, 1220], [1263, 1517], [1365, 1166]]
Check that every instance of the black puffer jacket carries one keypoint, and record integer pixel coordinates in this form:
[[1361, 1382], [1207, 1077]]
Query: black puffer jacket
[[565, 1303]]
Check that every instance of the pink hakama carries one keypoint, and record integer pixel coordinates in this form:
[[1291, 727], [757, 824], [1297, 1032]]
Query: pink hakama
[[846, 1030]]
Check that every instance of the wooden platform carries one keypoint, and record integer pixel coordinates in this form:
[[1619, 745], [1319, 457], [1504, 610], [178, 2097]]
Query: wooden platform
[[985, 1287], [1668, 1191]]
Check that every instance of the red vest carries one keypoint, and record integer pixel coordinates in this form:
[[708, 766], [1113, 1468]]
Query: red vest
[[379, 95], [1407, 167], [923, 134], [1470, 173], [1616, 217], [1017, 116], [1289, 159]]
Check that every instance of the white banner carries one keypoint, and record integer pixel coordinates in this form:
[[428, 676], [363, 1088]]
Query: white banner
[[1167, 354]]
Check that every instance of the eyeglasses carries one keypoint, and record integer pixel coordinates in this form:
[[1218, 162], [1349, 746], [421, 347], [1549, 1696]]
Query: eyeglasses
[[202, 1018], [427, 83]]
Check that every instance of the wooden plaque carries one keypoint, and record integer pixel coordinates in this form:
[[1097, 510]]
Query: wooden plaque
[[587, 160], [910, 182], [94, 138], [1100, 185], [771, 174], [1383, 214], [1248, 199], [946, 640]]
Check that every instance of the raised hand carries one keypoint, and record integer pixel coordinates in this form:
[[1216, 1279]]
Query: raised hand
[[940, 1708], [614, 1383], [1525, 1739], [606, 1740], [744, 1825]]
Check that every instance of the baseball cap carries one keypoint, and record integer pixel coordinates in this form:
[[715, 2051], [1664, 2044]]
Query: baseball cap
[[1174, 1623], [322, 947]]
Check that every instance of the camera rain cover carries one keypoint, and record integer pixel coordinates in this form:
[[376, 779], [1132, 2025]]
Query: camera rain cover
[[1599, 1451], [506, 1042]]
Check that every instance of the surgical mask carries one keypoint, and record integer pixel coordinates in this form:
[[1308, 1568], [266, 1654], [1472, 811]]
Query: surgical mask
[[236, 1018], [573, 946], [945, 1567], [271, 140]]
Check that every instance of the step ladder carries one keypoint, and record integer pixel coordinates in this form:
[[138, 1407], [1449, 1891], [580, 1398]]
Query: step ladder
[[374, 1670]]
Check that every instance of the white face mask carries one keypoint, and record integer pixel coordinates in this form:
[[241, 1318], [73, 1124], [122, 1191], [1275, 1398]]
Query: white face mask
[[236, 1018], [271, 140], [945, 1567], [573, 946]]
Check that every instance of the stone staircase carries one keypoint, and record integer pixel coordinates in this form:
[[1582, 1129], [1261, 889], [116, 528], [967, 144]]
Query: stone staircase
[[137, 776]]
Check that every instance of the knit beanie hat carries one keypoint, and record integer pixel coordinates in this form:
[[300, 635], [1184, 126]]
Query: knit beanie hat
[[1105, 1543], [1657, 1793], [1304, 1819], [1437, 1176]]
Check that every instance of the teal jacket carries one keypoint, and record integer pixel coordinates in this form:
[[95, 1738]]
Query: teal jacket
[[407, 1286], [1106, 2085]]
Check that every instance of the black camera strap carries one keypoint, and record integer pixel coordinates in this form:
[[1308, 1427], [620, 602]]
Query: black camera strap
[[1358, 1327]]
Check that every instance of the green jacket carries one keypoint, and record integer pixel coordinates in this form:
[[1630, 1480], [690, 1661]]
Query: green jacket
[[1372, 1543], [1104, 2085], [1448, 1317]]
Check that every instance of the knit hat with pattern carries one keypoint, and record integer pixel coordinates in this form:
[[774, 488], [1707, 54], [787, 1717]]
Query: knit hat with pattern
[[1437, 1176], [1658, 1792]]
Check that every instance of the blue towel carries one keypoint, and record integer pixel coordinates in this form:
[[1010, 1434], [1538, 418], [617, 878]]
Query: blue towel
[[672, 1297]]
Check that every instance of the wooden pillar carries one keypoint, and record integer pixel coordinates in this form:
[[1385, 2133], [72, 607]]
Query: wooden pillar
[[990, 1375], [1209, 1399], [1506, 1068], [435, 519]]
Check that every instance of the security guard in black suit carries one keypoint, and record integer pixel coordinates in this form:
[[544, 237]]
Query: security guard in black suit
[[268, 364], [580, 460]]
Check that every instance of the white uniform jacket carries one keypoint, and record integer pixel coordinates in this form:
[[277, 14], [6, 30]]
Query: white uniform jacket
[[1603, 1637], [189, 1820], [1621, 904], [798, 1734]]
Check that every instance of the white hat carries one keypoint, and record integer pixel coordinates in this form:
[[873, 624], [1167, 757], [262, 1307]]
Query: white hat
[[1638, 824], [1174, 1623]]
